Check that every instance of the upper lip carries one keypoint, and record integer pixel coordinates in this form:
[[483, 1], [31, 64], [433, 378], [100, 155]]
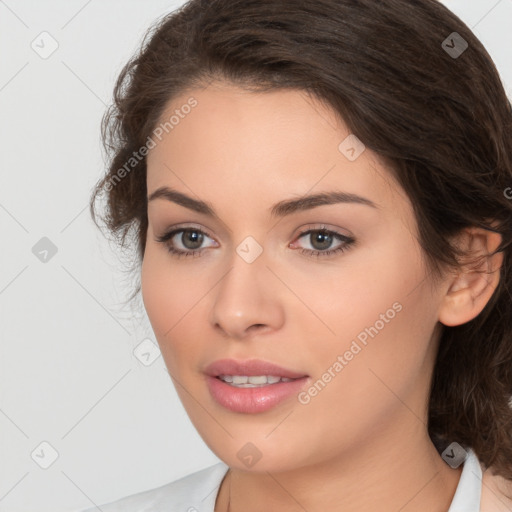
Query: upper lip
[[250, 368]]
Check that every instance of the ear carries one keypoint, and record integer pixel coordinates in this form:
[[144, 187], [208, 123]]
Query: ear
[[470, 290]]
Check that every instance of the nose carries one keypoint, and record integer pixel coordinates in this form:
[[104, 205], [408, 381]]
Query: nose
[[248, 300]]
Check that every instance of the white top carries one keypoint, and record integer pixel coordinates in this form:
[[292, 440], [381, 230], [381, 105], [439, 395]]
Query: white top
[[197, 492]]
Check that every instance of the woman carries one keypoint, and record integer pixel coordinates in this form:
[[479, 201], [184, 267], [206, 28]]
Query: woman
[[318, 193]]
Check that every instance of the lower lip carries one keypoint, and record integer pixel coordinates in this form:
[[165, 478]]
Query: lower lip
[[253, 400]]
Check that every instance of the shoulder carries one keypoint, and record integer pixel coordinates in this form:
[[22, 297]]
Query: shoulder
[[195, 492], [496, 493]]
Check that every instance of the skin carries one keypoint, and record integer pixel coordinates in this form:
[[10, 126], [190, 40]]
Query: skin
[[362, 442]]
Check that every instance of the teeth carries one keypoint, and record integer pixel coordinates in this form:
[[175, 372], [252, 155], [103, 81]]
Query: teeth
[[252, 381]]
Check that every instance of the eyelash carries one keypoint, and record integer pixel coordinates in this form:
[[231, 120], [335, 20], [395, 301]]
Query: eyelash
[[178, 253]]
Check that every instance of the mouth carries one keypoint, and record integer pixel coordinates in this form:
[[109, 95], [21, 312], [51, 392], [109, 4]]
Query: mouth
[[253, 381], [252, 386], [250, 368]]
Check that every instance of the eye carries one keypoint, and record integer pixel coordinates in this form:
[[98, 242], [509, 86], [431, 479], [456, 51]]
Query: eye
[[188, 241], [322, 241], [183, 241]]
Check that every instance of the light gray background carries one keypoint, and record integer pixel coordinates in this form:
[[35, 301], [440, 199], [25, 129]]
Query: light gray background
[[68, 375]]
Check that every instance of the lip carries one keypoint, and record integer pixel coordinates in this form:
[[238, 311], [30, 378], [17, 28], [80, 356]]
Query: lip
[[250, 367], [257, 399]]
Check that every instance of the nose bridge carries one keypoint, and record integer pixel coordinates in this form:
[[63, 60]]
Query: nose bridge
[[247, 295]]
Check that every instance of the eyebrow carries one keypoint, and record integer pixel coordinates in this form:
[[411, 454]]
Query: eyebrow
[[280, 209]]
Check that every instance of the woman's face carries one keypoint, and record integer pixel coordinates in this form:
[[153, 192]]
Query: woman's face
[[352, 307]]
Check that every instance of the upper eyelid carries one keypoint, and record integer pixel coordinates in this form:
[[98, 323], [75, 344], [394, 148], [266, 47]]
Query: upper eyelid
[[319, 226], [179, 227]]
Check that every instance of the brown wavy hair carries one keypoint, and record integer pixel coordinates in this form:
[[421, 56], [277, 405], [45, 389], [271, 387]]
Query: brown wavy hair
[[442, 123]]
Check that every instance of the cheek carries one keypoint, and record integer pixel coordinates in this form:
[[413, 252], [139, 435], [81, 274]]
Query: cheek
[[382, 372], [163, 294], [174, 301], [156, 293], [363, 288], [376, 312]]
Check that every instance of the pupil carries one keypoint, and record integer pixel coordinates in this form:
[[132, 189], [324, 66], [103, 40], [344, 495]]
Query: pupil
[[324, 238], [194, 236]]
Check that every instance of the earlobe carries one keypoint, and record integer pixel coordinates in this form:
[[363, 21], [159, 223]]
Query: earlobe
[[474, 283]]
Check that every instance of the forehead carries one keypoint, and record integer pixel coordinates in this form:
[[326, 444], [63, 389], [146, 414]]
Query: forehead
[[236, 145]]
